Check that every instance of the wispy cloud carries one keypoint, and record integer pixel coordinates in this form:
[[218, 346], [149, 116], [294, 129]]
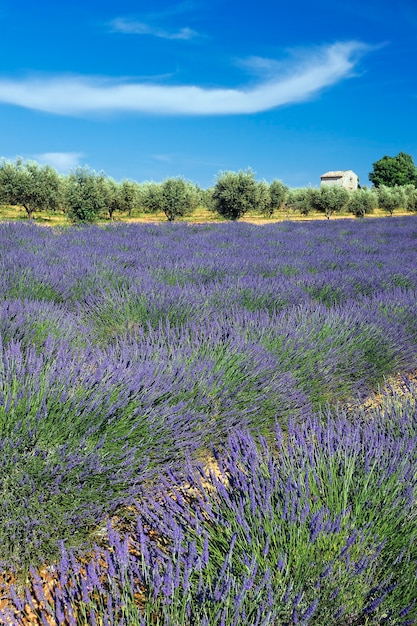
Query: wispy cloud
[[296, 81], [62, 161], [150, 23], [134, 27], [261, 66]]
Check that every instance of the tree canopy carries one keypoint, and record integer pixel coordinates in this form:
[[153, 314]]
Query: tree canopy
[[86, 194], [235, 193], [392, 171], [278, 192], [362, 201], [300, 199], [391, 198], [176, 197], [30, 185], [330, 199]]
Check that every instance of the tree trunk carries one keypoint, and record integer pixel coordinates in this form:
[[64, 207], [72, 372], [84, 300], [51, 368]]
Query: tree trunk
[[29, 211]]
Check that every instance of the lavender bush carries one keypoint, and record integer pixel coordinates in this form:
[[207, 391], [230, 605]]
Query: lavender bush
[[126, 349], [318, 528]]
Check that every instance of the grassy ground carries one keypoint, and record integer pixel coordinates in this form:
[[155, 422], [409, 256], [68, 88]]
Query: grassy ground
[[200, 215]]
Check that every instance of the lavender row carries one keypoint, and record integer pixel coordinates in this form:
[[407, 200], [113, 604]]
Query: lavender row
[[82, 431], [317, 527], [89, 426], [125, 349], [201, 268]]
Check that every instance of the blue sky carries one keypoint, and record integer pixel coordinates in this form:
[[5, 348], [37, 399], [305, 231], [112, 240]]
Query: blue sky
[[147, 90]]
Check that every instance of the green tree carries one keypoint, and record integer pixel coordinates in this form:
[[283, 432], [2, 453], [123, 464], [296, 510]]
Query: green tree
[[235, 193], [410, 195], [179, 198], [119, 197], [391, 198], [176, 197], [301, 200], [362, 201], [86, 195], [392, 171], [330, 199], [112, 198], [150, 197], [63, 186], [278, 192], [128, 196], [263, 199], [30, 185], [206, 199]]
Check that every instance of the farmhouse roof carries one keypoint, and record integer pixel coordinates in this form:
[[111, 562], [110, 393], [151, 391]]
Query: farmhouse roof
[[332, 174]]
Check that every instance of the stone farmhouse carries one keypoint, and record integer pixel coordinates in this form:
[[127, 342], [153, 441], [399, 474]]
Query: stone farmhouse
[[347, 179]]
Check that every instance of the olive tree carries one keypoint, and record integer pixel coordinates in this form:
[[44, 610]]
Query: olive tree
[[128, 196], [30, 185], [111, 196], [175, 197], [362, 201], [330, 199], [300, 200], [119, 197], [179, 198], [263, 199], [277, 192], [206, 199], [391, 198], [410, 195], [86, 195], [235, 193], [150, 197]]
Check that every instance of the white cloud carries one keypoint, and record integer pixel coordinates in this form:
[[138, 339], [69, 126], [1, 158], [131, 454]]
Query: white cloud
[[61, 161], [296, 81], [261, 66], [133, 27], [148, 24]]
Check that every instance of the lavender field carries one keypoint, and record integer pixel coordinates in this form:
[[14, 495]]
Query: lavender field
[[132, 354]]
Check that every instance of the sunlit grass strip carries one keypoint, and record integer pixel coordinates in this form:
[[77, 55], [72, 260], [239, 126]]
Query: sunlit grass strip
[[201, 214]]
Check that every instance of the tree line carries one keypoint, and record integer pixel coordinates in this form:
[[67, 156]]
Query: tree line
[[87, 196]]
